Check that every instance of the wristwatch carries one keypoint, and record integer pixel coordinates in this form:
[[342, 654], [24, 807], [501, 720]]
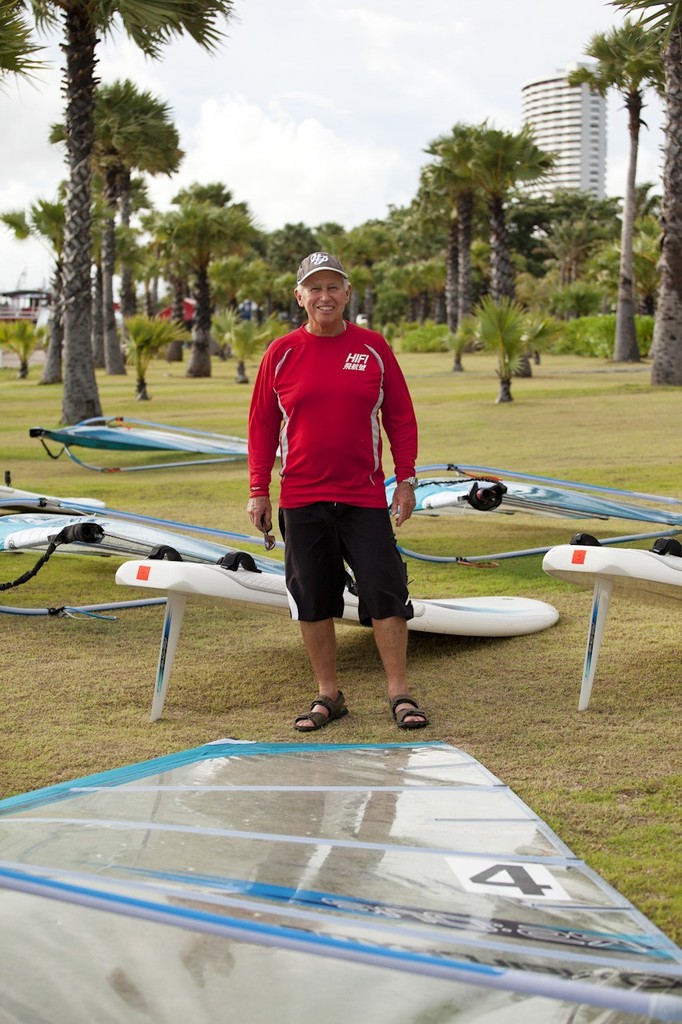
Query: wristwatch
[[411, 480]]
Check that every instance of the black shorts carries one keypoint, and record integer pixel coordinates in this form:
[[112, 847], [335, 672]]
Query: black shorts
[[319, 538]]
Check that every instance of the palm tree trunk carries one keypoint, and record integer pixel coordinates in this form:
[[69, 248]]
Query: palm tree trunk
[[128, 297], [200, 356], [98, 319], [113, 356], [80, 399], [465, 208], [52, 370], [452, 277], [501, 270], [422, 307], [626, 348], [174, 350], [667, 345], [369, 303], [524, 369], [438, 308], [504, 394]]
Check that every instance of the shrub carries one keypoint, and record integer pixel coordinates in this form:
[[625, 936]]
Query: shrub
[[579, 299], [595, 336], [426, 337]]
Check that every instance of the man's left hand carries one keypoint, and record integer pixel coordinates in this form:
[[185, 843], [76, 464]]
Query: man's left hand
[[403, 502]]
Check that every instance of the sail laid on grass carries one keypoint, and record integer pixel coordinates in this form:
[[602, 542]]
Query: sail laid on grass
[[307, 882], [121, 434]]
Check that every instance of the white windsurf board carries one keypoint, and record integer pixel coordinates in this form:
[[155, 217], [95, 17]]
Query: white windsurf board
[[629, 572], [472, 616]]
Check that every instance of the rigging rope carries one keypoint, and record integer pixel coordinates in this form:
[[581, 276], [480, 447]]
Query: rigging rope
[[84, 533]]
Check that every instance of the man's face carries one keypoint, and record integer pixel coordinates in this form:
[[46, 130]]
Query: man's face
[[324, 296]]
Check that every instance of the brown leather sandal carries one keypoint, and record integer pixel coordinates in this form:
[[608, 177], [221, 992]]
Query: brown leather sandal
[[336, 708], [404, 713]]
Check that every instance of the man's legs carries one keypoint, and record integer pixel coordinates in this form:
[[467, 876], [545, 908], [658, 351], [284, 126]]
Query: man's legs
[[320, 643], [390, 636]]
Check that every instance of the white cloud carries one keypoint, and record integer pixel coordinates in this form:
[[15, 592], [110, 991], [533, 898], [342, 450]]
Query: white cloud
[[287, 170], [387, 31], [121, 59]]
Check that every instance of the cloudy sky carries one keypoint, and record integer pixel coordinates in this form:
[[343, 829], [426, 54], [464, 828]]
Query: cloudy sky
[[319, 112]]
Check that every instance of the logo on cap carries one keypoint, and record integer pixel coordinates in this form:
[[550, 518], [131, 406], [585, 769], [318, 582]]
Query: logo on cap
[[319, 261]]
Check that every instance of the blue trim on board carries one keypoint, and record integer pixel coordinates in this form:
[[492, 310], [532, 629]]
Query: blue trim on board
[[142, 769]]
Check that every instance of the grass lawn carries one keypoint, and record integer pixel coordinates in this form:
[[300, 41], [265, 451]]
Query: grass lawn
[[76, 691]]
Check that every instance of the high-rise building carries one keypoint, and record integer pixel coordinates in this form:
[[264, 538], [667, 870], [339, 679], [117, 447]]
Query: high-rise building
[[569, 121]]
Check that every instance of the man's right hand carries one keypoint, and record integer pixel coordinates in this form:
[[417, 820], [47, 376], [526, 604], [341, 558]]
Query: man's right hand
[[259, 511]]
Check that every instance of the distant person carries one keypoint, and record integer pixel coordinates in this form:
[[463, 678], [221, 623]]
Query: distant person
[[321, 396]]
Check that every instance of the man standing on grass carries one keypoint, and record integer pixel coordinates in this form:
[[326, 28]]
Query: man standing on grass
[[322, 395]]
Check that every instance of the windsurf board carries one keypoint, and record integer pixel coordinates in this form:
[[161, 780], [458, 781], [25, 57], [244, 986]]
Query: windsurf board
[[472, 616], [441, 496], [642, 575]]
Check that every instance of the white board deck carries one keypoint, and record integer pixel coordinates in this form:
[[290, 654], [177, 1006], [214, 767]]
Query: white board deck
[[626, 572], [472, 616]]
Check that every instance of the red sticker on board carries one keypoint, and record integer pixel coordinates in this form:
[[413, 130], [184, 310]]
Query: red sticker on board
[[143, 572], [579, 557]]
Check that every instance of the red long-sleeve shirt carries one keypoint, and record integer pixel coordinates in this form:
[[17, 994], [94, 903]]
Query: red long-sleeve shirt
[[323, 401]]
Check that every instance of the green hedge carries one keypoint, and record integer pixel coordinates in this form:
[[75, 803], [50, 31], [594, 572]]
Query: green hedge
[[595, 336], [427, 337]]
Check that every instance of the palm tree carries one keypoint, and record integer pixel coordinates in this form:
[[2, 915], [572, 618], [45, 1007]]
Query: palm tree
[[666, 20], [245, 337], [45, 221], [646, 204], [435, 280], [392, 300], [21, 337], [463, 339], [16, 44], [569, 243], [646, 247], [362, 278], [450, 179], [151, 26], [133, 131], [410, 280], [539, 331], [500, 327], [628, 59], [501, 160], [364, 246], [171, 262], [227, 277], [287, 246], [146, 336], [435, 207], [205, 226], [99, 217], [255, 287], [132, 259]]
